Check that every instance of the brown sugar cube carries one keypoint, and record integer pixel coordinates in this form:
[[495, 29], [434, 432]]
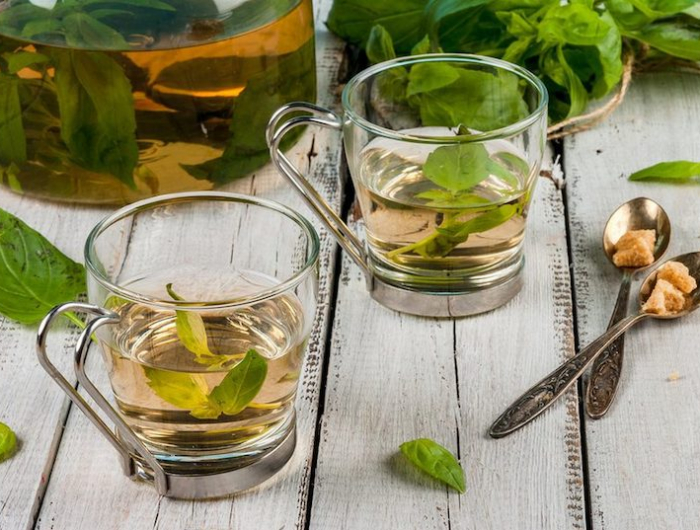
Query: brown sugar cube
[[665, 299], [678, 275], [635, 249]]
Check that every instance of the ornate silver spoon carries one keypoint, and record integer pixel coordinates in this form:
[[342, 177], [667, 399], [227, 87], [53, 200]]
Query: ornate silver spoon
[[536, 400], [637, 214]]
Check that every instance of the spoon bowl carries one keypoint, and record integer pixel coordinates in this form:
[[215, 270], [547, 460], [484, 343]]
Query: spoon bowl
[[638, 214], [690, 260]]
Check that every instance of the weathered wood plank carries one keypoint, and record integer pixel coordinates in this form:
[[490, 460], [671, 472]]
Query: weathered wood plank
[[395, 377], [644, 471], [86, 475], [29, 401]]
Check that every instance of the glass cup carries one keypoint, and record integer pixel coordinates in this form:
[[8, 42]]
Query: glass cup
[[204, 303], [444, 151]]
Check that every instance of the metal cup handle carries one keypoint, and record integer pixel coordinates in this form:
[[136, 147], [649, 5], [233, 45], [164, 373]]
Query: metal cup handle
[[275, 133], [102, 317]]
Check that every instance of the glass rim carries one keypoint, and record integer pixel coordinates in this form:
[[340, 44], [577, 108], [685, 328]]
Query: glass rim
[[501, 132], [185, 197]]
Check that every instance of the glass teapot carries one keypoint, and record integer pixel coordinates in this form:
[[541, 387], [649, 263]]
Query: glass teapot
[[110, 101]]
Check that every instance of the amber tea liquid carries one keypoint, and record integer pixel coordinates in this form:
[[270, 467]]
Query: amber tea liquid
[[156, 379], [202, 91]]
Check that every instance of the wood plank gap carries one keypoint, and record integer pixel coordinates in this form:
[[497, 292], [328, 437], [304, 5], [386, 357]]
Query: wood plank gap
[[559, 155], [347, 201]]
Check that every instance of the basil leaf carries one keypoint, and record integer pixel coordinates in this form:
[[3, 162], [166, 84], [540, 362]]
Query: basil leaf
[[190, 329], [674, 171], [436, 461], [8, 442], [445, 199], [478, 100], [34, 275], [424, 46], [555, 67], [379, 46], [675, 38], [97, 114], [457, 167], [19, 60], [40, 27], [241, 384], [188, 392], [13, 142], [83, 31], [353, 20], [426, 77]]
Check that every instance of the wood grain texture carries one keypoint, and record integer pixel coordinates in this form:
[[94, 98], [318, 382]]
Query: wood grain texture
[[395, 377], [30, 403], [642, 456]]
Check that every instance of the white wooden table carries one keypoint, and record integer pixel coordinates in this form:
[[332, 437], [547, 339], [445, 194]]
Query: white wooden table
[[374, 378]]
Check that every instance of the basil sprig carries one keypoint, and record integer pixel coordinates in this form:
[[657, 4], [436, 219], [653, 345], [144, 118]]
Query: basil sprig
[[677, 171]]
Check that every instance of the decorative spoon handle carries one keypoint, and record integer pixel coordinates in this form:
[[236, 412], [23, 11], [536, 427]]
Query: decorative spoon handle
[[536, 400], [605, 374]]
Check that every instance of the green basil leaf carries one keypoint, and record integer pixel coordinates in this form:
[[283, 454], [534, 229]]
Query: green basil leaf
[[190, 329], [184, 391], [379, 47], [40, 27], [353, 20], [13, 142], [8, 442], [675, 38], [241, 384], [97, 114], [424, 46], [572, 24], [674, 171], [555, 67], [445, 199], [478, 100], [457, 167], [19, 60], [436, 461], [34, 275], [426, 77], [151, 4], [84, 31]]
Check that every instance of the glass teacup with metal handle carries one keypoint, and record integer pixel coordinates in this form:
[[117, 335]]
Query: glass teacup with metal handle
[[444, 152], [202, 314]]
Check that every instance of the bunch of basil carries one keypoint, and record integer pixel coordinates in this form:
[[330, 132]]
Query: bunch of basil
[[576, 48]]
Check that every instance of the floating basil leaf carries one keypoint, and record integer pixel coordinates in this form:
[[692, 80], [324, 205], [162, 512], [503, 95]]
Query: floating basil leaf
[[84, 31], [34, 275], [190, 329], [8, 442], [436, 461], [185, 391], [13, 142], [457, 167], [97, 114], [241, 384], [670, 171]]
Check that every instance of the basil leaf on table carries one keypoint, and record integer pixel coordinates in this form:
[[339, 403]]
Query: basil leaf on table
[[436, 461], [675, 38], [34, 275], [670, 171], [241, 384], [97, 115], [8, 442]]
